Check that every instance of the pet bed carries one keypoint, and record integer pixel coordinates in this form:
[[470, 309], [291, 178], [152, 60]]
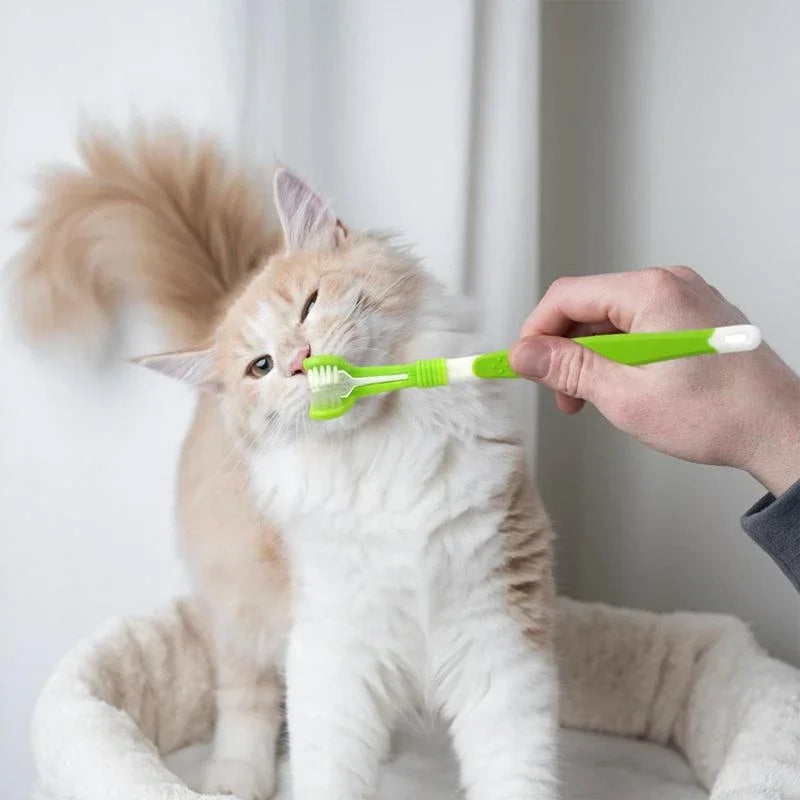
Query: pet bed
[[655, 707]]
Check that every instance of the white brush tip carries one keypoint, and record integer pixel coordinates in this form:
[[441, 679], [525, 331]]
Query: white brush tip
[[735, 338]]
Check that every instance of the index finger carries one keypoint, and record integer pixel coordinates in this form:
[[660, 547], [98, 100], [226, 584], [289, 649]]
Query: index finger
[[614, 297]]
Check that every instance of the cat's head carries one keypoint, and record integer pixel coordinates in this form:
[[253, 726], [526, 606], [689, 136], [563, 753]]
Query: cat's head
[[330, 290]]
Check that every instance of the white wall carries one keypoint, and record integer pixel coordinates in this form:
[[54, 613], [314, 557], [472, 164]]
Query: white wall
[[670, 136]]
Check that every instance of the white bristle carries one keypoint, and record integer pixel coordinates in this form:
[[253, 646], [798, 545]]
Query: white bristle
[[328, 385], [322, 378]]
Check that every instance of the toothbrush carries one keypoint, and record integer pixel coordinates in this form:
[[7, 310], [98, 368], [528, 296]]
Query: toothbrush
[[336, 384]]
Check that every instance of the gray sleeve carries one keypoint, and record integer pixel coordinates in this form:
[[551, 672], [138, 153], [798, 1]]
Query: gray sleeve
[[774, 524]]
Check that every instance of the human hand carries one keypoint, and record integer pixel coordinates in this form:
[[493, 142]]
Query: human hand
[[740, 410]]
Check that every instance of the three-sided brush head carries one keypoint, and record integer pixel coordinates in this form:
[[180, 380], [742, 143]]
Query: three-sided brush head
[[335, 384], [331, 386]]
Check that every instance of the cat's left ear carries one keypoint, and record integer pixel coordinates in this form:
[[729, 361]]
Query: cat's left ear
[[307, 222], [195, 367]]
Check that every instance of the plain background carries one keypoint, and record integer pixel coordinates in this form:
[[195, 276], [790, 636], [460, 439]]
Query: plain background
[[669, 135]]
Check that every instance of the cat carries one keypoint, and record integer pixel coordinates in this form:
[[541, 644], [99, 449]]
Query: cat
[[395, 558]]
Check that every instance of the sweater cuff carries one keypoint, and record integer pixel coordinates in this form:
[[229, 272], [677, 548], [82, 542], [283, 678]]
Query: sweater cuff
[[774, 524]]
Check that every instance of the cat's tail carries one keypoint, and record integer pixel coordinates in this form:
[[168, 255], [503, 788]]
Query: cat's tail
[[156, 217]]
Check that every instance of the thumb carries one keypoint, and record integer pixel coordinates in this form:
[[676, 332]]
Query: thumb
[[564, 366]]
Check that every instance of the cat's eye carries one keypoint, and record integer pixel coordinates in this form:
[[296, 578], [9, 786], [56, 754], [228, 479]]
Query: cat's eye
[[259, 367], [312, 299]]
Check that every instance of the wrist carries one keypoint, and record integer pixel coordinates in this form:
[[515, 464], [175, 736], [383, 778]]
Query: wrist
[[775, 461]]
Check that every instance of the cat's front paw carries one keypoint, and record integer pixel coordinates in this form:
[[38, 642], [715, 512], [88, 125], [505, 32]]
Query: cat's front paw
[[247, 780]]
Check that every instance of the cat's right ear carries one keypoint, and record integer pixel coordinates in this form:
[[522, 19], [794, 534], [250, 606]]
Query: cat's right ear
[[195, 367], [306, 220]]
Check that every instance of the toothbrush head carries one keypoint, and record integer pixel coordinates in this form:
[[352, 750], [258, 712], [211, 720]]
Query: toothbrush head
[[331, 385], [335, 384]]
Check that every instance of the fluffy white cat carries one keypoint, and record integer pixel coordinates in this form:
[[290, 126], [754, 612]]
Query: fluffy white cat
[[394, 559]]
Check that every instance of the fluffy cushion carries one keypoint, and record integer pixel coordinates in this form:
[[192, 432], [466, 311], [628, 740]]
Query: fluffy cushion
[[142, 688]]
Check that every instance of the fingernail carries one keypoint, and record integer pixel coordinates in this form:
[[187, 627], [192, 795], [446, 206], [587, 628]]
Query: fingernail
[[531, 358]]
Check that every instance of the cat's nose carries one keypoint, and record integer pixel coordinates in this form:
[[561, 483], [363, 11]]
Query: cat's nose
[[296, 365]]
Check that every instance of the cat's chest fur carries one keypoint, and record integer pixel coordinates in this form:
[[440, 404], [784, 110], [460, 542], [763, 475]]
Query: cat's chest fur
[[391, 516]]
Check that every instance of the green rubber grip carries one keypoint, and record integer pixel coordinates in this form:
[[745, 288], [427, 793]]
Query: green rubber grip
[[429, 372], [493, 365], [636, 349]]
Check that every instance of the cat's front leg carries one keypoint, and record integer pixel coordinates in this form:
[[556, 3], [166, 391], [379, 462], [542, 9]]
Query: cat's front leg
[[338, 715], [248, 700], [504, 720]]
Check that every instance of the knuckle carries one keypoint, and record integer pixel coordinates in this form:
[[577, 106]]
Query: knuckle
[[661, 278], [662, 285], [686, 273], [558, 286]]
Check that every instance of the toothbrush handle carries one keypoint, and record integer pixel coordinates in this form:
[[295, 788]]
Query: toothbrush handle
[[636, 349]]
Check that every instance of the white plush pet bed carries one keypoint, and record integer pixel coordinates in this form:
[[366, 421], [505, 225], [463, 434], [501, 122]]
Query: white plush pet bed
[[657, 707]]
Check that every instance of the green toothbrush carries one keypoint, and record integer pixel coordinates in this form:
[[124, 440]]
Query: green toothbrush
[[336, 384]]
